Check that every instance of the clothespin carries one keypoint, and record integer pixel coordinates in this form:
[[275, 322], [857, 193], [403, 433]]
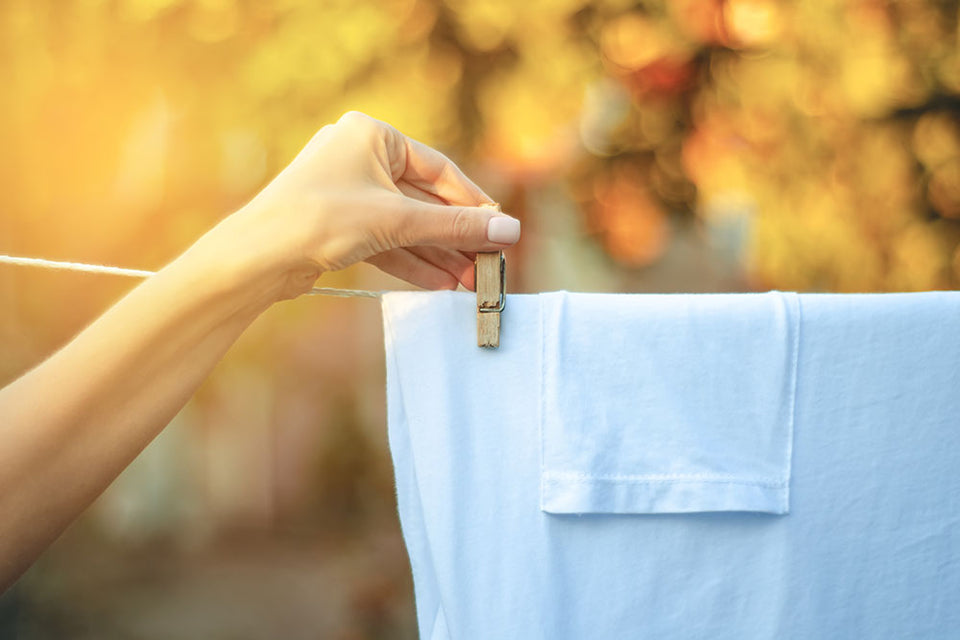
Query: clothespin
[[490, 274]]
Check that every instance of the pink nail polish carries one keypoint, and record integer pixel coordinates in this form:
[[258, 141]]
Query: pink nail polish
[[503, 230]]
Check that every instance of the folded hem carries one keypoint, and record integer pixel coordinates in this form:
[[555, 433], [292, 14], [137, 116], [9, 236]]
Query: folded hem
[[672, 494]]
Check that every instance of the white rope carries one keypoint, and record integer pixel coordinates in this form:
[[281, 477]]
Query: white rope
[[140, 273], [75, 266], [344, 293]]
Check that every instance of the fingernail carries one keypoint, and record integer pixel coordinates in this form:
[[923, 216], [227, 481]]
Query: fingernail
[[503, 230]]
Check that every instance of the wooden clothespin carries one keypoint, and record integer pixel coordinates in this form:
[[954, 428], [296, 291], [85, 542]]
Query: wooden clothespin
[[490, 272]]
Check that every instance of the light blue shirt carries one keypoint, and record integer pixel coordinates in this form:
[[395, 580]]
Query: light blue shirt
[[679, 466]]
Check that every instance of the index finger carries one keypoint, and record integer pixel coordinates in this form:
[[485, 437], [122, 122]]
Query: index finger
[[434, 173]]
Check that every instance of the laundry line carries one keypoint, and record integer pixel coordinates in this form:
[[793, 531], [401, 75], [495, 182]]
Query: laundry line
[[62, 265]]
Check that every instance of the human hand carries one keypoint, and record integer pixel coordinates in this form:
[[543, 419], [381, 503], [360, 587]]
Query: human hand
[[361, 190]]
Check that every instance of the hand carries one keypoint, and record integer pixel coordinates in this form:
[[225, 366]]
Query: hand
[[361, 190]]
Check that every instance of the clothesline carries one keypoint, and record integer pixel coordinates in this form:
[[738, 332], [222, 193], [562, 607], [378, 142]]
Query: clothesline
[[141, 273]]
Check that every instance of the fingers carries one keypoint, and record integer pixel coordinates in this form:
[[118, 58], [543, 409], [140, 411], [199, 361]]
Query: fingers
[[415, 162], [465, 228], [457, 263], [460, 228], [408, 266], [436, 174], [426, 270], [433, 204], [415, 192], [454, 267], [453, 262]]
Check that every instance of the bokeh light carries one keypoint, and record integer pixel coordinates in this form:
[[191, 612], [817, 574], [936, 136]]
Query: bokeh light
[[647, 145]]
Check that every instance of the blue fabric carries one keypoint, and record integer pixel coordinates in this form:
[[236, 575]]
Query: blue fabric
[[576, 482]]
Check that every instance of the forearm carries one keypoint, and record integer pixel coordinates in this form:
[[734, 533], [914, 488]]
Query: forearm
[[72, 424]]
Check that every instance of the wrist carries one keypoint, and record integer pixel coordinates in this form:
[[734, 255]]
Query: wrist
[[240, 259]]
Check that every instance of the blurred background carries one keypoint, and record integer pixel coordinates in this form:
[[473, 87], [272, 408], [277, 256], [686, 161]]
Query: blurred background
[[693, 145]]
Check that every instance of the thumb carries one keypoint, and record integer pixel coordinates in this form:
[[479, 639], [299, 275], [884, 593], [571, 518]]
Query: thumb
[[457, 227]]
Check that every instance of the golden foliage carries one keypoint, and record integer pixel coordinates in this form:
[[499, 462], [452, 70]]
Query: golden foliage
[[129, 126]]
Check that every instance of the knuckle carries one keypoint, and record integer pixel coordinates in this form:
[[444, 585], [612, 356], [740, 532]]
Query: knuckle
[[380, 240], [462, 224], [361, 127], [353, 117], [407, 229], [358, 121]]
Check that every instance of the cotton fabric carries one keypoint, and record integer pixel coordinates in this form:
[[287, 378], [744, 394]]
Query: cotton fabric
[[679, 466]]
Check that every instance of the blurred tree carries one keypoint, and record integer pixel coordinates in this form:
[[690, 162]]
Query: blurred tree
[[831, 125]]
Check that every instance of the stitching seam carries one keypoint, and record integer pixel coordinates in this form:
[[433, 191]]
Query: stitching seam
[[572, 476]]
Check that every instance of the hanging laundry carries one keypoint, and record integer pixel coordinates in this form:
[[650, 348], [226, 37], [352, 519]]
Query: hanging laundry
[[679, 466]]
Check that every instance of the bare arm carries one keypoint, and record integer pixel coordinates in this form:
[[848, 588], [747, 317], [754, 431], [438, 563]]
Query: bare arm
[[358, 191]]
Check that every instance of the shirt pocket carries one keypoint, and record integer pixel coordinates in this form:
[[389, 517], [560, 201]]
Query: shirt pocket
[[667, 403]]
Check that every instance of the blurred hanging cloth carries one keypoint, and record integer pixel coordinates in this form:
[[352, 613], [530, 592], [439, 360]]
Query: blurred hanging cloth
[[679, 466]]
